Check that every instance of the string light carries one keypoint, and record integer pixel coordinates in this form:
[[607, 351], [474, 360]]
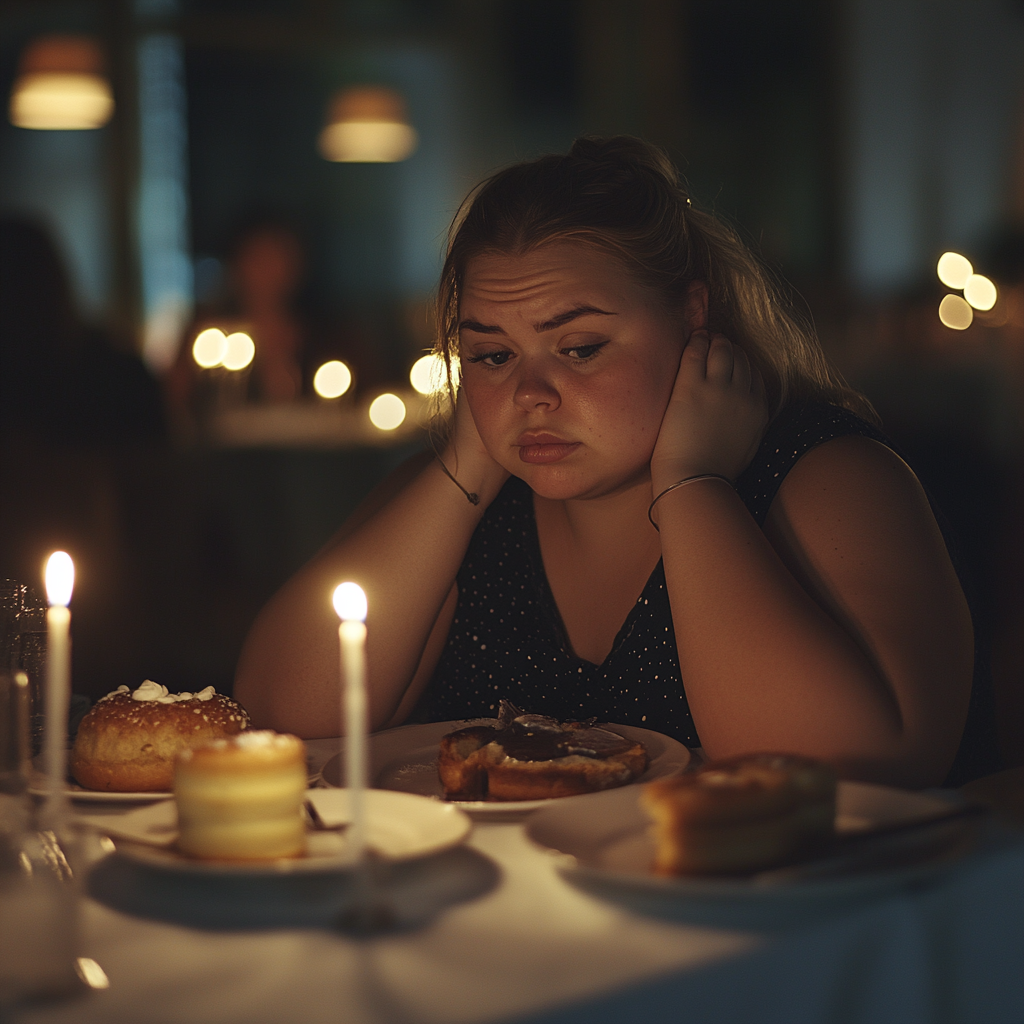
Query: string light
[[209, 348], [332, 380], [955, 312], [980, 292], [954, 270], [387, 412]]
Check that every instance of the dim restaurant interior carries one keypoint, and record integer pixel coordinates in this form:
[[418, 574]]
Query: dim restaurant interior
[[365, 651]]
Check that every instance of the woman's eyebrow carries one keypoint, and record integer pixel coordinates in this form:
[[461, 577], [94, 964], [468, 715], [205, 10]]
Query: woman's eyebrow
[[547, 325], [568, 316]]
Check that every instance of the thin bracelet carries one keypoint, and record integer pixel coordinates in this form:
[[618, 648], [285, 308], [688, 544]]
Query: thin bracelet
[[474, 498], [683, 483]]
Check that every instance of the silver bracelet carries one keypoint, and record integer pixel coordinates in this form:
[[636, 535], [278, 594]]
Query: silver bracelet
[[472, 496], [683, 483]]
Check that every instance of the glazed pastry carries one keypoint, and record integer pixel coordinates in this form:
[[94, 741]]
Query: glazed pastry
[[532, 757], [128, 741], [740, 814]]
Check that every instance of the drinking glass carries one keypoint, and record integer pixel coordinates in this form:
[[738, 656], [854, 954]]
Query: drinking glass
[[38, 896], [23, 648]]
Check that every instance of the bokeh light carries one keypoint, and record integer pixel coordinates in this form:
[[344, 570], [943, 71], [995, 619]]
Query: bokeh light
[[955, 312], [954, 269], [387, 411], [332, 380], [980, 292], [209, 348], [428, 374], [238, 351]]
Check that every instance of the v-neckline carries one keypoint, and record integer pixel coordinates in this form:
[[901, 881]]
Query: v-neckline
[[547, 595]]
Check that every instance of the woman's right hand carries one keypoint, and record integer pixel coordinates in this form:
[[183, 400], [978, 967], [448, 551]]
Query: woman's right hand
[[716, 416], [466, 456]]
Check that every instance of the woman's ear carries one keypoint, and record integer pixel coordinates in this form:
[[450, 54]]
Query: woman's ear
[[695, 307]]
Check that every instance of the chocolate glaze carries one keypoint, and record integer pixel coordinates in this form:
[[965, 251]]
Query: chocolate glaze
[[539, 738]]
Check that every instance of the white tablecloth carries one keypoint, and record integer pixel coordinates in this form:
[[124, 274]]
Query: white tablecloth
[[513, 941]]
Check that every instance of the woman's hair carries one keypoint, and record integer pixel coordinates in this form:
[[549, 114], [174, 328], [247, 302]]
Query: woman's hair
[[624, 196]]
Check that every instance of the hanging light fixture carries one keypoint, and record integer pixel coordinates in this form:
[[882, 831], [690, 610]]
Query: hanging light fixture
[[61, 85], [367, 124]]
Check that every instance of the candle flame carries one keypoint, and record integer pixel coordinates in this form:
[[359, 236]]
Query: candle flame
[[60, 578], [350, 602]]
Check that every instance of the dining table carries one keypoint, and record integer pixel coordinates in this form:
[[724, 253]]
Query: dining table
[[496, 930]]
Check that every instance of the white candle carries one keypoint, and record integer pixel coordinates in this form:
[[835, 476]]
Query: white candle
[[350, 604], [60, 581]]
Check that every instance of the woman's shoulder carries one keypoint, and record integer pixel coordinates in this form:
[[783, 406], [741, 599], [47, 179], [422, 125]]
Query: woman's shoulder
[[799, 428]]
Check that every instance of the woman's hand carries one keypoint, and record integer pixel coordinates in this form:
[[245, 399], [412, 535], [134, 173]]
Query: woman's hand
[[466, 457], [716, 416]]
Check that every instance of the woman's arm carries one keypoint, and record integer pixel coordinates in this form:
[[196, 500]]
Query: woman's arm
[[839, 632], [403, 546]]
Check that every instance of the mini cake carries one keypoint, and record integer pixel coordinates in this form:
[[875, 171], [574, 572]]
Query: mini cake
[[129, 739], [241, 798], [532, 757], [740, 814]]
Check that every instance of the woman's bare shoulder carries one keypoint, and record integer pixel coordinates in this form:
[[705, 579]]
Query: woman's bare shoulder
[[851, 518], [853, 473]]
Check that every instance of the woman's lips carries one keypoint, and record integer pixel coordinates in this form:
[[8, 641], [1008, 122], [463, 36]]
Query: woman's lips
[[541, 448]]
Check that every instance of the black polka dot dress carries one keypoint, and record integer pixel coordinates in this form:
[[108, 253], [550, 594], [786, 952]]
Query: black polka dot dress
[[507, 638]]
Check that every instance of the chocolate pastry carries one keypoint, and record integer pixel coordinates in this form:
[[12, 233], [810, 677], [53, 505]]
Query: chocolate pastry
[[533, 757]]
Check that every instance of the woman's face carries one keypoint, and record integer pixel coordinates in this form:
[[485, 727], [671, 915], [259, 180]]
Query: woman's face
[[567, 364]]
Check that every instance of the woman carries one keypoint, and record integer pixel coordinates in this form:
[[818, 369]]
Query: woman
[[652, 477]]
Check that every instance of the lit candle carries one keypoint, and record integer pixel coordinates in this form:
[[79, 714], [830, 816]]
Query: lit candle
[[60, 580], [350, 604]]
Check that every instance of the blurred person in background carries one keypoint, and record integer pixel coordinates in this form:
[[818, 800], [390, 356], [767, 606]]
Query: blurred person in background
[[267, 297], [61, 379], [81, 429]]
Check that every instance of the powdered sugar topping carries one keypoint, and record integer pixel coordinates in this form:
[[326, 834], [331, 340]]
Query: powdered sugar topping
[[155, 692]]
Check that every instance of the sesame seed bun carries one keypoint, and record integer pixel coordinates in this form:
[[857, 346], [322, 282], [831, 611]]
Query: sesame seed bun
[[126, 745]]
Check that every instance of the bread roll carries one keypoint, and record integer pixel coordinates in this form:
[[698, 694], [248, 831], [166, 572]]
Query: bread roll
[[740, 814], [128, 741]]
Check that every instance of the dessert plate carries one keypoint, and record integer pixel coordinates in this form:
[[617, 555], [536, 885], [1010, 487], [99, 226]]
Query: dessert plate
[[400, 827], [405, 760], [603, 841], [38, 787]]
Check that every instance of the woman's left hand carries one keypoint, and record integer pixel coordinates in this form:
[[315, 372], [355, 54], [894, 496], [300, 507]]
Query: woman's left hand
[[716, 416]]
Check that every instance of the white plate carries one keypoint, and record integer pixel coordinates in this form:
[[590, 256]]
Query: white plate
[[603, 839], [405, 760], [400, 827], [38, 787]]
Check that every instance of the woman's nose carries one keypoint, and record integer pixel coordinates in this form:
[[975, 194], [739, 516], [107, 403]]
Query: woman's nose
[[535, 389]]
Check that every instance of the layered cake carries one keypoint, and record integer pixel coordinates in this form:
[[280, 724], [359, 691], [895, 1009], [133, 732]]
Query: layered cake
[[241, 798]]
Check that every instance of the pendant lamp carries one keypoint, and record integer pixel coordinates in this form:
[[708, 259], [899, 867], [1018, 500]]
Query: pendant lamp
[[61, 85], [367, 124]]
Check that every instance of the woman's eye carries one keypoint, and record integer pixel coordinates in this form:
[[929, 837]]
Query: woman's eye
[[492, 358], [584, 352]]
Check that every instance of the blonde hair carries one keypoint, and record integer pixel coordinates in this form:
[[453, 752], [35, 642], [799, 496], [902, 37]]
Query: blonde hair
[[624, 196]]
